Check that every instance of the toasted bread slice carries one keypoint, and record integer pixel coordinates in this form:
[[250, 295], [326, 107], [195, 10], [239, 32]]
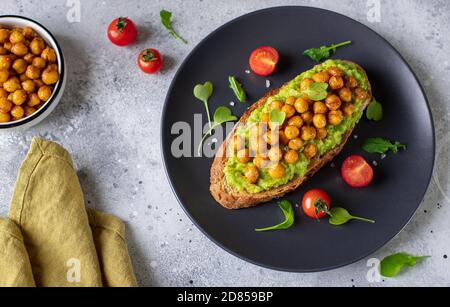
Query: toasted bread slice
[[232, 198]]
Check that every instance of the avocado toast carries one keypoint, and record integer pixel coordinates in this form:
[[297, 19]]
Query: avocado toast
[[290, 134]]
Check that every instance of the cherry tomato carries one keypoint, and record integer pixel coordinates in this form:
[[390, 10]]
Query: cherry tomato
[[150, 61], [312, 202], [356, 172], [264, 60], [122, 31]]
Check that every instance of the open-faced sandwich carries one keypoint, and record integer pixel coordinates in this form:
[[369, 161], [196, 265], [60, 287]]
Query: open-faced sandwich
[[288, 135]]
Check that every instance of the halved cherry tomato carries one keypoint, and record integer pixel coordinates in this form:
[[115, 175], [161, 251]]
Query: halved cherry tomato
[[264, 60], [122, 31], [316, 203], [356, 172], [150, 61]]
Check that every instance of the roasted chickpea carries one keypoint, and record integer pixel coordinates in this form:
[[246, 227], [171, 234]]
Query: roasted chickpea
[[37, 46], [5, 105], [348, 109], [345, 94], [271, 138], [277, 171], [53, 66], [335, 72], [295, 144], [333, 102], [7, 46], [301, 105], [320, 107], [322, 133], [283, 138], [291, 157], [3, 93], [23, 77], [17, 112], [251, 174], [4, 117], [20, 66], [29, 110], [33, 72], [310, 151], [19, 97], [351, 82], [12, 85], [336, 83], [258, 147], [296, 121], [33, 100], [16, 37], [5, 62], [19, 49], [307, 118], [49, 55], [305, 84], [237, 143], [28, 32], [360, 93], [38, 82], [288, 110], [308, 133], [243, 156], [276, 105], [28, 86], [3, 51], [320, 121], [261, 162], [29, 57], [4, 35], [290, 101], [4, 75], [321, 77], [265, 118], [292, 132], [335, 117], [275, 154], [39, 62], [44, 92]]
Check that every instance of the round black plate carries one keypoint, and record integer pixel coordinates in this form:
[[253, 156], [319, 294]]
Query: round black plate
[[401, 180]]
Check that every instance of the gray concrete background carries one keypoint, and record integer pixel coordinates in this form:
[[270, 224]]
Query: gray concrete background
[[109, 120]]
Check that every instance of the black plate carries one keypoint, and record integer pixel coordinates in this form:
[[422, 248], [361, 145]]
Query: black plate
[[400, 182]]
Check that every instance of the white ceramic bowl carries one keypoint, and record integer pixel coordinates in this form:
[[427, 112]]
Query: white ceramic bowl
[[27, 122]]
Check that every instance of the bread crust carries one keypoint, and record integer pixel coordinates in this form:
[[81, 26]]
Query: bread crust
[[233, 199]]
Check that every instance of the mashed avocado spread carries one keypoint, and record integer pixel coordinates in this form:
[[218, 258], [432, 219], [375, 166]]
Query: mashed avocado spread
[[234, 170]]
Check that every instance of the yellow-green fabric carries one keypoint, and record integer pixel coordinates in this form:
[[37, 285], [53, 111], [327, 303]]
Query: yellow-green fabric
[[55, 231]]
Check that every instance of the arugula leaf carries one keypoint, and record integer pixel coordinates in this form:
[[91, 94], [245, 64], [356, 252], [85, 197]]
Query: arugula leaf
[[166, 20], [392, 265], [382, 146], [237, 89], [203, 92], [317, 91], [323, 52], [374, 111], [277, 117], [288, 211], [221, 116], [340, 216]]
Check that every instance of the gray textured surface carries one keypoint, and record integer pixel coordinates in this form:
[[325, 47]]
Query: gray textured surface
[[109, 119]]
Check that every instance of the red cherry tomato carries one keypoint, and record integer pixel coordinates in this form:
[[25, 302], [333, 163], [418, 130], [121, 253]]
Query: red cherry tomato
[[264, 60], [312, 202], [356, 172], [150, 61], [122, 31]]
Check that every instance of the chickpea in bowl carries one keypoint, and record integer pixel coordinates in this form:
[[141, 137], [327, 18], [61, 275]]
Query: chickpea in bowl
[[31, 69]]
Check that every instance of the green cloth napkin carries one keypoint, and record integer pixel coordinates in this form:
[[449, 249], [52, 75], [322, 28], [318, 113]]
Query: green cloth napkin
[[50, 239]]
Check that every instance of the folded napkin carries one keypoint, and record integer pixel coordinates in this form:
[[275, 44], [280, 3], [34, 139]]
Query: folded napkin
[[50, 239]]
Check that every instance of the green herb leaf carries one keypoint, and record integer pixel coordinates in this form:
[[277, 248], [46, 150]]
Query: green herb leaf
[[323, 52], [382, 146], [288, 211], [392, 265], [221, 116], [317, 91], [237, 89], [121, 24], [203, 92], [277, 117], [340, 216], [374, 111], [166, 20]]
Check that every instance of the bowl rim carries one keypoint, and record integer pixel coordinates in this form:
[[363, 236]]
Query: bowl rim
[[58, 87]]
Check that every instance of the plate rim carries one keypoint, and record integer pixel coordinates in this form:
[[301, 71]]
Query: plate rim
[[246, 259]]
